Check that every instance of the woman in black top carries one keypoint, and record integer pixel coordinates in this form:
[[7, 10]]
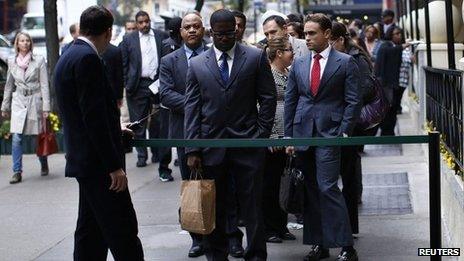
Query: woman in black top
[[350, 159]]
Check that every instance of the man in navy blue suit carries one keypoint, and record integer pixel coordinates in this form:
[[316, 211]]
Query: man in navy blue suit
[[173, 71], [322, 100], [93, 140], [224, 86]]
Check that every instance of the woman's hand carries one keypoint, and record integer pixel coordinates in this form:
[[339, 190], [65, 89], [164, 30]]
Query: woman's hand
[[5, 114], [46, 114]]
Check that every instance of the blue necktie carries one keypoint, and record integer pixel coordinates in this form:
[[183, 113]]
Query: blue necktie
[[224, 68]]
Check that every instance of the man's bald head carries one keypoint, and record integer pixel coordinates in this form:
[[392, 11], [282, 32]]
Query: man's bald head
[[192, 30]]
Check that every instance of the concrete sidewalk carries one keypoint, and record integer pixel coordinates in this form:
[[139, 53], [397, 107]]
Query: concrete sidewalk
[[38, 216]]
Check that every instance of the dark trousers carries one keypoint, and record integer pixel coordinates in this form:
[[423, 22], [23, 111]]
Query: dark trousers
[[106, 220], [234, 234], [159, 129], [326, 220], [352, 183], [140, 104], [197, 239], [388, 124], [275, 219], [246, 165]]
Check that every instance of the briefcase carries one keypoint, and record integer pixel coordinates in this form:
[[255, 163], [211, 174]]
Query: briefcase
[[291, 196], [198, 205], [46, 141]]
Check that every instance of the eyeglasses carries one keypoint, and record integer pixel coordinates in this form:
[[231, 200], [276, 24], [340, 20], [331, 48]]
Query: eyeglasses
[[228, 34]]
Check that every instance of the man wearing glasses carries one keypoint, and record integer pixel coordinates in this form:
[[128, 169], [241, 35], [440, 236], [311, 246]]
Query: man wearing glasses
[[224, 84]]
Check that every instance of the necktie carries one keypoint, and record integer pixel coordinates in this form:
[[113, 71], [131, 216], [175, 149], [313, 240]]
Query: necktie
[[315, 74], [224, 68], [194, 53], [149, 53]]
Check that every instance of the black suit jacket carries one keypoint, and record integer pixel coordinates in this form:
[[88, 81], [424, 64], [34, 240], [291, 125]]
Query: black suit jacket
[[113, 63], [90, 116], [173, 73], [387, 67], [214, 110], [170, 45], [132, 58]]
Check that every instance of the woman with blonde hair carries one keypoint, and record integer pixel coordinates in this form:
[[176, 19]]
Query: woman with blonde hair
[[280, 53], [26, 99]]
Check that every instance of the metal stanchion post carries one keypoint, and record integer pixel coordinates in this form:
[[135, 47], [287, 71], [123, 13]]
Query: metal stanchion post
[[434, 192]]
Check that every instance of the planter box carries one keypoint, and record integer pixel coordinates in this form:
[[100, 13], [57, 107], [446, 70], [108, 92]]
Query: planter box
[[29, 144]]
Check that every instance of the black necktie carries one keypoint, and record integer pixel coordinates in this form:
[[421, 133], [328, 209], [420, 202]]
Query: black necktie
[[194, 53], [224, 68]]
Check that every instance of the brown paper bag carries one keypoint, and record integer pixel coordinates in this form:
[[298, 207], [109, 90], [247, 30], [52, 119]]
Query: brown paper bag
[[198, 206]]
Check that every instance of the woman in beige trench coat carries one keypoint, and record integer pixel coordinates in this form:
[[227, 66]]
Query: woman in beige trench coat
[[26, 99]]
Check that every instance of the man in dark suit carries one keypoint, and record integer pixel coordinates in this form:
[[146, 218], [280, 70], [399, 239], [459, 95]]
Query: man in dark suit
[[141, 53], [224, 86], [322, 100], [174, 41], [74, 31], [173, 71], [388, 22], [92, 136], [113, 65]]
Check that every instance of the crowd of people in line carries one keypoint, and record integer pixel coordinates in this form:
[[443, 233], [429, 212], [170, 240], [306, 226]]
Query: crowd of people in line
[[309, 77]]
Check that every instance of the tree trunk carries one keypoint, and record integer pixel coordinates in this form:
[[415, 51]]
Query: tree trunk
[[52, 43], [241, 5], [199, 5]]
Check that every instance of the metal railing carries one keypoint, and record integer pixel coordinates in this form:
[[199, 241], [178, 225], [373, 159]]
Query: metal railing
[[444, 109]]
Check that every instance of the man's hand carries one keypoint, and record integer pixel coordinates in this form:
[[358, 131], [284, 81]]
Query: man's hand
[[118, 180], [5, 114], [127, 131], [194, 162], [290, 150], [45, 114], [119, 103]]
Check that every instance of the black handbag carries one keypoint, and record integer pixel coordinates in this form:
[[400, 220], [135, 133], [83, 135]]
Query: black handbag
[[291, 198], [375, 109]]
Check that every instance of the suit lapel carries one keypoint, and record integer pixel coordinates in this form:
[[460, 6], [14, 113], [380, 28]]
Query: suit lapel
[[239, 60], [182, 63], [212, 65], [30, 69], [136, 39], [305, 67], [159, 45], [332, 65]]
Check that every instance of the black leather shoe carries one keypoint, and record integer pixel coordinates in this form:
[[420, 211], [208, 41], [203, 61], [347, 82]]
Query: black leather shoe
[[141, 163], [316, 253], [274, 239], [351, 255], [16, 178], [196, 251], [288, 236], [236, 251]]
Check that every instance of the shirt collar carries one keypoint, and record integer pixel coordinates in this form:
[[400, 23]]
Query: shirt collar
[[89, 43], [189, 51], [324, 54], [231, 52], [149, 33]]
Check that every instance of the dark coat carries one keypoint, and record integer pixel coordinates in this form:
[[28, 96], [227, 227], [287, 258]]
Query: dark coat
[[214, 110], [173, 77], [113, 63], [387, 67], [335, 108], [88, 110], [132, 57]]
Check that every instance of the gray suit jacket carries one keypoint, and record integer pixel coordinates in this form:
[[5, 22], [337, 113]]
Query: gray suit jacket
[[299, 46], [132, 58], [215, 110], [173, 76], [335, 108]]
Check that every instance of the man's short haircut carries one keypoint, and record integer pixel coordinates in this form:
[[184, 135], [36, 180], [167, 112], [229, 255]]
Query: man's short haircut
[[222, 16], [95, 20], [295, 18], [130, 21], [280, 21], [321, 19], [239, 14], [388, 12], [141, 13], [73, 28]]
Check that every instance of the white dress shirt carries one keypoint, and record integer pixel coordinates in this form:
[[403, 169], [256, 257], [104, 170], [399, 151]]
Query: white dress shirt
[[230, 59], [149, 52], [323, 60], [89, 42]]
